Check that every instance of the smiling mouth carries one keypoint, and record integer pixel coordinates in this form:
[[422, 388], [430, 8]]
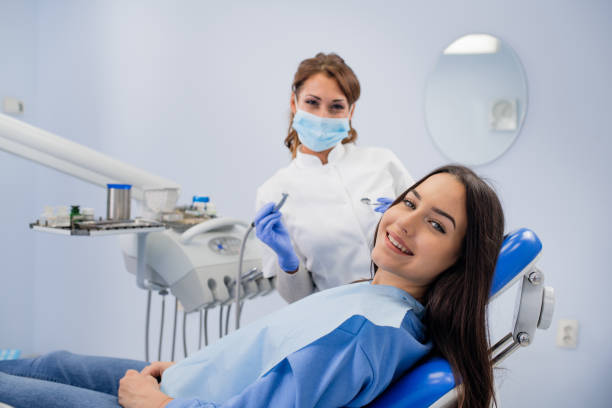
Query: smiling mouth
[[399, 246]]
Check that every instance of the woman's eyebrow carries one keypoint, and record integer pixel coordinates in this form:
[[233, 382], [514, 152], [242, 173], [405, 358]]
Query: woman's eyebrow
[[314, 96], [435, 209], [445, 214]]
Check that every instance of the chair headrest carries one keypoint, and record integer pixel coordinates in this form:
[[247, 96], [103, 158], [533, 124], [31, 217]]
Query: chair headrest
[[519, 252]]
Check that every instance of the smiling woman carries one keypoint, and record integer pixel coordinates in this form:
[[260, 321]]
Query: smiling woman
[[441, 239], [421, 236]]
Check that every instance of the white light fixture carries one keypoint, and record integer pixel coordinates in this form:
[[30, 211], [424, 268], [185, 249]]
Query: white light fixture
[[473, 44]]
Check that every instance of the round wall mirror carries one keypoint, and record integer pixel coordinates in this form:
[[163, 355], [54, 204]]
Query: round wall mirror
[[476, 99]]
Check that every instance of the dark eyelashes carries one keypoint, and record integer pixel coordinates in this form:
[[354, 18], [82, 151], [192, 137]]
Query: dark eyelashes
[[438, 226], [409, 203], [435, 224], [313, 102]]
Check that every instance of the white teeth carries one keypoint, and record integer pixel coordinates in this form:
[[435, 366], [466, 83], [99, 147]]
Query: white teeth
[[398, 245]]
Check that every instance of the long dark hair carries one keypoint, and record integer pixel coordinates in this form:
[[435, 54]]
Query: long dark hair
[[333, 66], [455, 302]]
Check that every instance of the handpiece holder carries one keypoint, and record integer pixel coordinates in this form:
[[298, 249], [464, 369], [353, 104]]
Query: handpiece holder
[[534, 303], [210, 225]]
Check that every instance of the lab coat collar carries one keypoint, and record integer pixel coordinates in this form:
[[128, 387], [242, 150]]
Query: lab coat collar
[[309, 160]]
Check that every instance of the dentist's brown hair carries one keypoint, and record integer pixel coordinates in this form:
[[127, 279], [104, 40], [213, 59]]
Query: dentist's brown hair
[[333, 66]]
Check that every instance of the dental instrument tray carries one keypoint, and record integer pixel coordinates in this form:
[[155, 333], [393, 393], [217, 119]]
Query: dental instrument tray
[[184, 217], [101, 227]]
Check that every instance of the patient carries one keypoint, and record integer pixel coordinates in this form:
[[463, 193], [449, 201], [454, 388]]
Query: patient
[[433, 260]]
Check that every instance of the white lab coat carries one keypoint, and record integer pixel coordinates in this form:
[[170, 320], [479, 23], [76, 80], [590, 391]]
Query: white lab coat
[[331, 229]]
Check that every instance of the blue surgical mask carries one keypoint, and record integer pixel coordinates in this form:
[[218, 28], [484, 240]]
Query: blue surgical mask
[[317, 133]]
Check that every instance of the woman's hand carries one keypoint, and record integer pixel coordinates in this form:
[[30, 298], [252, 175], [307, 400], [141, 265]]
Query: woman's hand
[[137, 390], [156, 368], [270, 230]]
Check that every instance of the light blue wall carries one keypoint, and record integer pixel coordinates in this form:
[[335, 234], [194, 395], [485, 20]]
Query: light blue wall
[[17, 180], [198, 92]]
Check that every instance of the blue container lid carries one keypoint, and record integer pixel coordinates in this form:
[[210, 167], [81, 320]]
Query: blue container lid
[[200, 199], [120, 186]]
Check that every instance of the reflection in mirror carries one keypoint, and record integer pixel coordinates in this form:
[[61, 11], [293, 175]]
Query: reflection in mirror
[[476, 99]]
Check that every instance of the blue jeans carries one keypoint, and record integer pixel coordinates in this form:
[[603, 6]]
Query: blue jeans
[[63, 379]]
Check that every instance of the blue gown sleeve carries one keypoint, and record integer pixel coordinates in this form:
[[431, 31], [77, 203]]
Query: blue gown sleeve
[[333, 371]]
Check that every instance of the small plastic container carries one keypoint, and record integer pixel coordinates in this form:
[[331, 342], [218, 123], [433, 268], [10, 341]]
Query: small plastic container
[[211, 210], [118, 200], [87, 214], [48, 216], [200, 202], [62, 216], [75, 210]]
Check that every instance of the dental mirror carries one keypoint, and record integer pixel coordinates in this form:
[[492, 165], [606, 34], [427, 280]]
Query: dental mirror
[[367, 201]]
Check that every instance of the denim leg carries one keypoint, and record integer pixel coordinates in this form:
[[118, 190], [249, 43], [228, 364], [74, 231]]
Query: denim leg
[[100, 374], [22, 392]]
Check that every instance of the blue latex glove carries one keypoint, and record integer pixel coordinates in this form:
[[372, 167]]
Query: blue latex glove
[[270, 230], [385, 203]]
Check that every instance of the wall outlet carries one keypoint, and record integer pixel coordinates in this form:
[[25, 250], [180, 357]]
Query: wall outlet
[[567, 333]]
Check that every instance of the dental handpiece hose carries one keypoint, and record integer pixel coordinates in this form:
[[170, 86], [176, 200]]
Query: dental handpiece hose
[[277, 207]]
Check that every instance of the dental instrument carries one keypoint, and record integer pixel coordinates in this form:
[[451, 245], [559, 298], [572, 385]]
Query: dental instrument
[[369, 201], [382, 203]]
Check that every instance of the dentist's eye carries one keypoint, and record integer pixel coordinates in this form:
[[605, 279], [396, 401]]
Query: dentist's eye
[[312, 102], [437, 226], [337, 107], [409, 204]]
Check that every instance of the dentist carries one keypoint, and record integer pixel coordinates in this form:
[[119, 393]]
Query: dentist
[[337, 190]]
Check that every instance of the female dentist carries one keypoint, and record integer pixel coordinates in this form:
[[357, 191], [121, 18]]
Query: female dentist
[[337, 191]]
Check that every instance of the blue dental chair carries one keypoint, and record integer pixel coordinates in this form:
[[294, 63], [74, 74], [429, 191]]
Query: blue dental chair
[[431, 383]]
